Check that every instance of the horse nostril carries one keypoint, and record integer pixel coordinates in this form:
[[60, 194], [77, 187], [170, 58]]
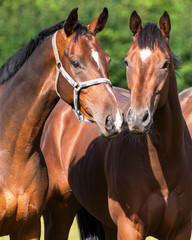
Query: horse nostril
[[109, 125], [145, 117], [129, 112]]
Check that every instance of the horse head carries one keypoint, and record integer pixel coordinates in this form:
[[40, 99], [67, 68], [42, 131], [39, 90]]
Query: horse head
[[149, 63], [83, 62]]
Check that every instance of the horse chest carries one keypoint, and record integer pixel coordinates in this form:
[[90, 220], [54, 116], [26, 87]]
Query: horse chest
[[165, 213]]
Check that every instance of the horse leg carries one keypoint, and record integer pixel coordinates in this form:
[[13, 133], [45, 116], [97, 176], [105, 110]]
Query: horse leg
[[30, 231], [110, 233], [183, 232], [127, 231], [58, 218]]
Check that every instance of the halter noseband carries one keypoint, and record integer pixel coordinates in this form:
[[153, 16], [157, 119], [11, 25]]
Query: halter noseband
[[76, 85]]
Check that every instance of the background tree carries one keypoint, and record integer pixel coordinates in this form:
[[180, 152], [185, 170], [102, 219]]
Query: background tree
[[20, 20]]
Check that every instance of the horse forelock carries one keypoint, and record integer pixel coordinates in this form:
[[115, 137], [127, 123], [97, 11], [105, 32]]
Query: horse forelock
[[149, 36], [15, 62], [80, 30]]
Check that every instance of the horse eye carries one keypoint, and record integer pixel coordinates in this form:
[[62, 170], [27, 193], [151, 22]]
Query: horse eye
[[75, 64], [166, 65], [126, 62]]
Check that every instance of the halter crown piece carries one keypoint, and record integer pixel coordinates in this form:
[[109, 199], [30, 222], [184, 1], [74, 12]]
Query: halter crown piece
[[77, 86]]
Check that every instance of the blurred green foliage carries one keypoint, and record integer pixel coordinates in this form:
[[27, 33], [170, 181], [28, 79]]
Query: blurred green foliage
[[20, 20]]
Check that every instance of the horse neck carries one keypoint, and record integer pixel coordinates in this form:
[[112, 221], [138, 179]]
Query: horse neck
[[167, 150], [26, 101], [169, 116]]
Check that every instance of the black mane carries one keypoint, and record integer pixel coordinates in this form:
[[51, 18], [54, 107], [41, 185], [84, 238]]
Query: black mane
[[149, 35], [15, 62]]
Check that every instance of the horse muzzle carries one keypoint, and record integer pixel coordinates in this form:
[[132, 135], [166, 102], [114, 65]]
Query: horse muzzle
[[113, 125], [139, 122]]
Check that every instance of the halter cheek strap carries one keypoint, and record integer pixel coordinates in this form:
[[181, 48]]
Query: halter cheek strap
[[77, 86]]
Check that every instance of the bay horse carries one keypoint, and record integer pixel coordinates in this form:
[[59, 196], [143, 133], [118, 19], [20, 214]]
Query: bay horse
[[156, 172], [185, 98], [31, 83], [67, 143], [139, 183]]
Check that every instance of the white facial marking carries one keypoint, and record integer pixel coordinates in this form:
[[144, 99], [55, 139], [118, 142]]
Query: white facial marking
[[95, 56], [110, 90], [118, 121], [144, 54]]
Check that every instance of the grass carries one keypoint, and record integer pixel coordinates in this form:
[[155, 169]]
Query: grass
[[73, 235]]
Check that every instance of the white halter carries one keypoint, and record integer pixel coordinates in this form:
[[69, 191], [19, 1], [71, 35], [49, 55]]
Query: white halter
[[76, 85]]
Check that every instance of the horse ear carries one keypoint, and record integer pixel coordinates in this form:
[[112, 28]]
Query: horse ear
[[71, 22], [98, 24], [165, 24], [135, 23]]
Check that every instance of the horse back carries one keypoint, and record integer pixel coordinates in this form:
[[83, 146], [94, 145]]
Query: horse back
[[185, 98]]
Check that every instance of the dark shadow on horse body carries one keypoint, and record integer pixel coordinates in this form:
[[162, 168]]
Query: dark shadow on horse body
[[132, 190], [129, 188]]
